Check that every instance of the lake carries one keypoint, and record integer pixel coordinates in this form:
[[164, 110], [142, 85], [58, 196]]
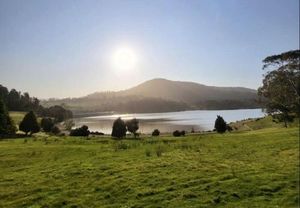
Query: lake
[[199, 120]]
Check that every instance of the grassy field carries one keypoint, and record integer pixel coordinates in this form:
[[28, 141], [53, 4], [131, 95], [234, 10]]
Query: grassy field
[[17, 116], [257, 168]]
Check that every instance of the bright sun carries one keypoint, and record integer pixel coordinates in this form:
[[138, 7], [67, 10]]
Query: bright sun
[[124, 59]]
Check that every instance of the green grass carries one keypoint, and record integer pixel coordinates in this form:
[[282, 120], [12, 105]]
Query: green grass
[[17, 116], [242, 169], [261, 123]]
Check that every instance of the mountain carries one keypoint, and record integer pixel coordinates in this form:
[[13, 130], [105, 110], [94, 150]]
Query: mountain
[[162, 95], [189, 92]]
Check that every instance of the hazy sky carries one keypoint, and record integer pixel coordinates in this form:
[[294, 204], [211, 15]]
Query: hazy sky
[[62, 48]]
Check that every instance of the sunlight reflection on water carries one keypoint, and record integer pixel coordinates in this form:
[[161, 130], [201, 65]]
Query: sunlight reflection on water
[[167, 122]]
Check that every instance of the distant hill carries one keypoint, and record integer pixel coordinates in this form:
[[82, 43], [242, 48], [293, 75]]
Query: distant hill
[[189, 92], [162, 95]]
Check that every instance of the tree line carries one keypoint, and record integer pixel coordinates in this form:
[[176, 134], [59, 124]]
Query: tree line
[[16, 101]]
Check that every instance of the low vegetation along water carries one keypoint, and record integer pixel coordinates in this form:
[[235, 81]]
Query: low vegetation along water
[[199, 120]]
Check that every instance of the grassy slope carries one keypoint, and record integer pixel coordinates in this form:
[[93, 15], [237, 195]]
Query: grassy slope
[[261, 123], [17, 116], [243, 169]]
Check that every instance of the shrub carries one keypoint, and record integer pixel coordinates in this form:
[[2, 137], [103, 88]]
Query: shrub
[[82, 131], [96, 133], [156, 132], [132, 126], [229, 128], [29, 124], [47, 124], [55, 130], [220, 125], [59, 113], [176, 133], [7, 126], [68, 124], [119, 128]]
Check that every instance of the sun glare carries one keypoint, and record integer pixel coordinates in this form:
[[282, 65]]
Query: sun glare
[[124, 59]]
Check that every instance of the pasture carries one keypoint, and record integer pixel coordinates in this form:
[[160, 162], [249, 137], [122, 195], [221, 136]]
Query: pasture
[[257, 168]]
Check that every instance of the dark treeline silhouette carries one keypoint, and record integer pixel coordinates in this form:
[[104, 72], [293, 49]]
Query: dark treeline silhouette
[[112, 102], [133, 104], [16, 101], [228, 104]]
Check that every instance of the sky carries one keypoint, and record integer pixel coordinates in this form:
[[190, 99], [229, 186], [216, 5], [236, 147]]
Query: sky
[[67, 48]]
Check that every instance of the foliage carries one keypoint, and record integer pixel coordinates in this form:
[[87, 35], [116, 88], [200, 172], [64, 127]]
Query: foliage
[[119, 128], [96, 133], [55, 130], [7, 126], [228, 104], [177, 133], [155, 132], [16, 101], [281, 85], [229, 128], [29, 124], [47, 124], [132, 126], [82, 131], [68, 124], [4, 94], [220, 125], [57, 112]]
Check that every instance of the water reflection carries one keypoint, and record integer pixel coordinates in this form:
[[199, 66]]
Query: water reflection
[[167, 122]]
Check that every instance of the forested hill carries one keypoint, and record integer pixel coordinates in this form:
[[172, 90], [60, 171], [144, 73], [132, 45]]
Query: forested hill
[[17, 101], [161, 95]]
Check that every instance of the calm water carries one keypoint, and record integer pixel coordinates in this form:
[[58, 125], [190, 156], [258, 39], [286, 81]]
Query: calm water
[[168, 122]]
